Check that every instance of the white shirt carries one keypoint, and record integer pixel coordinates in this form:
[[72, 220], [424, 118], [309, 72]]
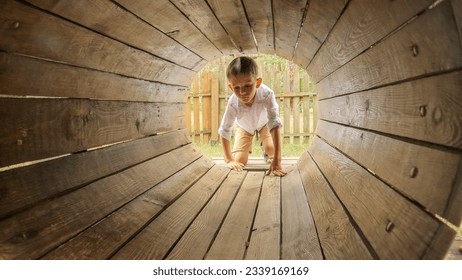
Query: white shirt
[[264, 110]]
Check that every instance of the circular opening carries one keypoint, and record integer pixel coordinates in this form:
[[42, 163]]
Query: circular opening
[[294, 92]]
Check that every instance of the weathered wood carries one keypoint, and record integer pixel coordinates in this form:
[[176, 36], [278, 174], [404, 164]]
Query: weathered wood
[[163, 15], [99, 16], [425, 175], [232, 16], [26, 186], [337, 235], [406, 54], [394, 226], [173, 222], [306, 103], [425, 109], [195, 242], [232, 240], [215, 111], [265, 241], [39, 128], [32, 233], [299, 238], [25, 76], [103, 239], [199, 13], [288, 15], [457, 10], [206, 81], [261, 20], [362, 25], [320, 19], [40, 34]]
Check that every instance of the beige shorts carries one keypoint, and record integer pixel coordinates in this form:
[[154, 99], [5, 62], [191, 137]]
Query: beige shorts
[[243, 139]]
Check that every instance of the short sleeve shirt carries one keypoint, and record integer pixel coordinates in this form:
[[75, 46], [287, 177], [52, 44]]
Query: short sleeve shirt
[[264, 110]]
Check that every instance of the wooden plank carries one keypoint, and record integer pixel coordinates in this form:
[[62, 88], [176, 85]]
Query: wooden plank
[[288, 15], [34, 232], [173, 222], [39, 128], [306, 103], [457, 10], [232, 16], [260, 15], [215, 111], [26, 186], [423, 174], [296, 117], [25, 76], [199, 13], [406, 54], [69, 43], [206, 106], [362, 25], [299, 237], [103, 239], [320, 19], [195, 242], [163, 15], [287, 111], [99, 16], [337, 235], [232, 240], [395, 227], [265, 242], [426, 109]]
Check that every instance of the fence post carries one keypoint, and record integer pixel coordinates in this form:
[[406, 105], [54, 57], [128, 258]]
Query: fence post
[[215, 114], [196, 109], [206, 106], [306, 119]]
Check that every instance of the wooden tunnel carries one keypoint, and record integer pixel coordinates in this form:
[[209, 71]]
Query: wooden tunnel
[[97, 164]]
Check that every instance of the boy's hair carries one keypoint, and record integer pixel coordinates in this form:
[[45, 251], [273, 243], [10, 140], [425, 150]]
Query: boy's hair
[[242, 65]]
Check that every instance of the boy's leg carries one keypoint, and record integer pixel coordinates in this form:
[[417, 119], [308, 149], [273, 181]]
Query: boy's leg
[[266, 141], [242, 145]]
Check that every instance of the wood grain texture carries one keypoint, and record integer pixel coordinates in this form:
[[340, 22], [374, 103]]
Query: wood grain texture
[[394, 226], [265, 241], [199, 13], [99, 16], [43, 35], [163, 15], [409, 53], [34, 232], [40, 128], [261, 20], [338, 237], [232, 240], [195, 242], [320, 19], [457, 10], [26, 76], [173, 222], [299, 238], [25, 186], [425, 109], [104, 238], [288, 15], [231, 15], [361, 25], [421, 173]]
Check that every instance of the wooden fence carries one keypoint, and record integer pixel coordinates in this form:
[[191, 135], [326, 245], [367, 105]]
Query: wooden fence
[[207, 103]]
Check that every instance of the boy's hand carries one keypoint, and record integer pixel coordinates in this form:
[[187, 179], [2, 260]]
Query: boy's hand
[[234, 165], [276, 169]]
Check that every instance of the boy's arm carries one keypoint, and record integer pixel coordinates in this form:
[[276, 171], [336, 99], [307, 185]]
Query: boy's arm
[[229, 159], [275, 166]]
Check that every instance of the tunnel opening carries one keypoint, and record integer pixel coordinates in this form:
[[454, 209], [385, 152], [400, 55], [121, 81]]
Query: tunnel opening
[[385, 159]]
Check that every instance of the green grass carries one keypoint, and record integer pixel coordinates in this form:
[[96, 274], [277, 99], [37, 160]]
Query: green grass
[[288, 150]]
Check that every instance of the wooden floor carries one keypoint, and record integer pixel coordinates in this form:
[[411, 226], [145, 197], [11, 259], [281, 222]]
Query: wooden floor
[[232, 215]]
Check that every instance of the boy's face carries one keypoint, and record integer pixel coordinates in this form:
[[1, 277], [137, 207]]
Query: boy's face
[[244, 86]]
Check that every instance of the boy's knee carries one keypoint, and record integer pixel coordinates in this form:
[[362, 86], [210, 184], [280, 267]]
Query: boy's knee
[[241, 157]]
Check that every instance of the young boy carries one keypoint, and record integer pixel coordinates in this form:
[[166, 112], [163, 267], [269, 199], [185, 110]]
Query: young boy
[[252, 107]]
